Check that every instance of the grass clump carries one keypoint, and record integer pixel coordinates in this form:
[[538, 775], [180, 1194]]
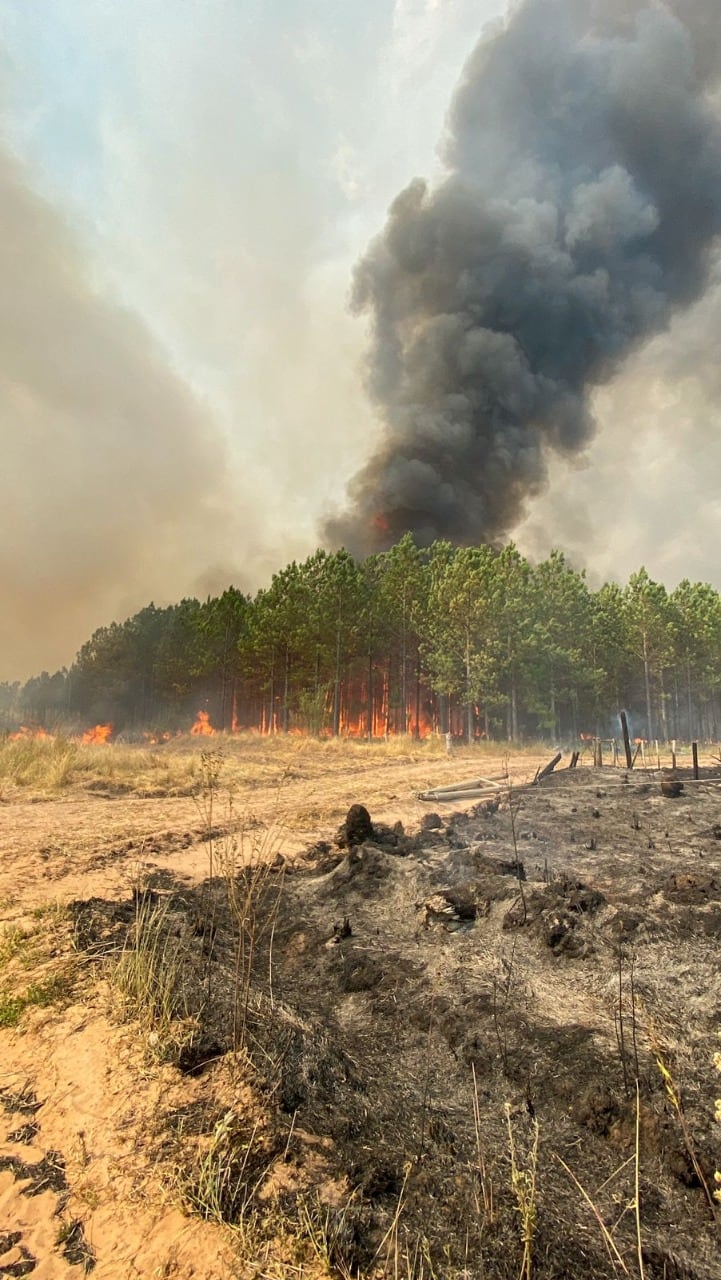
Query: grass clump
[[46, 764], [13, 941], [524, 1184], [156, 979], [222, 1185]]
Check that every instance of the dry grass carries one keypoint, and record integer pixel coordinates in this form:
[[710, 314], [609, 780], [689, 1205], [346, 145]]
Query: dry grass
[[59, 764], [41, 766], [158, 981]]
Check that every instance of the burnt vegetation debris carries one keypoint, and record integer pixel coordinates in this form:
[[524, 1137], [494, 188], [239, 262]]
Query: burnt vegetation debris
[[397, 1007]]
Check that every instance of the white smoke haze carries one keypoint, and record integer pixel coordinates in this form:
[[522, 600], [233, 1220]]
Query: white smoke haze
[[112, 479], [220, 167]]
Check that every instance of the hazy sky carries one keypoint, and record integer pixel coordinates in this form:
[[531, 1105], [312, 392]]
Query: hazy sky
[[185, 186]]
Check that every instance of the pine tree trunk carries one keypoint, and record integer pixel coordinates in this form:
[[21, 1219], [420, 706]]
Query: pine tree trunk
[[286, 680], [337, 681], [469, 708], [647, 683], [514, 709]]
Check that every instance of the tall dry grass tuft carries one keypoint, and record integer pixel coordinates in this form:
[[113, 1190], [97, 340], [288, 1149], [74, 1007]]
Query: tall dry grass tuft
[[245, 857], [222, 1185], [152, 978], [58, 763], [46, 765]]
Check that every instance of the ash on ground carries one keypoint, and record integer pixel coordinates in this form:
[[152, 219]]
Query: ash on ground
[[428, 1006]]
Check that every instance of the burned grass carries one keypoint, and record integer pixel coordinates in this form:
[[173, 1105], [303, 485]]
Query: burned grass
[[441, 1054]]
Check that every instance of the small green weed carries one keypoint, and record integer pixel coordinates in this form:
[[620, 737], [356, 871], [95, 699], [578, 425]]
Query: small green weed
[[38, 995]]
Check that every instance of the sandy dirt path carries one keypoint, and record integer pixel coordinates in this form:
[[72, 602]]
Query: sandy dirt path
[[83, 845]]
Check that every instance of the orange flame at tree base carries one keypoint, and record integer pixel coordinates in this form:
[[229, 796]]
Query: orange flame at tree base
[[202, 727], [99, 736]]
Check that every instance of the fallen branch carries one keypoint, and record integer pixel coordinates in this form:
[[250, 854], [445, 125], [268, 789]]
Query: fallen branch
[[548, 769]]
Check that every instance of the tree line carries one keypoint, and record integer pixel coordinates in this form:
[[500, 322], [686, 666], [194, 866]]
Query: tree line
[[477, 641]]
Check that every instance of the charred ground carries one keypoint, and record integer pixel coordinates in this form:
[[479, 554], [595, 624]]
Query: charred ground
[[375, 1031]]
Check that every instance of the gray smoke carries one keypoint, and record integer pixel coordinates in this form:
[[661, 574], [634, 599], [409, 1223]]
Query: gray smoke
[[580, 209], [112, 485]]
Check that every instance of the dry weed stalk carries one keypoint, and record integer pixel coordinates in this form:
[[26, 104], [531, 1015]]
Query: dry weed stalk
[[486, 1183], [608, 1239], [636, 1186], [673, 1093], [500, 1014], [398, 1261], [620, 1023], [524, 1184], [513, 812], [717, 1118], [633, 1205]]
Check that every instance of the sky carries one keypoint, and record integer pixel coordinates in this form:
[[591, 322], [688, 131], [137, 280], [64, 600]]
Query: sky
[[185, 187]]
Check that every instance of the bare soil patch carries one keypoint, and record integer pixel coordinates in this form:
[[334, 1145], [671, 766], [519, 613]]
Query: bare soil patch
[[362, 1045]]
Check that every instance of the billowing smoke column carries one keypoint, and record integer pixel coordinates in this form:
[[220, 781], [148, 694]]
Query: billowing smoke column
[[581, 204]]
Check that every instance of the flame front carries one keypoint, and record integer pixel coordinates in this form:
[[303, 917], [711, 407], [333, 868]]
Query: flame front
[[26, 734], [98, 736], [202, 727]]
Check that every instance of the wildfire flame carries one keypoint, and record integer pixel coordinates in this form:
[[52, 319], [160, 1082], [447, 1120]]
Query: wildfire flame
[[202, 727], [34, 735], [100, 735]]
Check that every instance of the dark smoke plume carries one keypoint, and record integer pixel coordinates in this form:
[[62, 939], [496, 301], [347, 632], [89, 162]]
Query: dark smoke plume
[[580, 209]]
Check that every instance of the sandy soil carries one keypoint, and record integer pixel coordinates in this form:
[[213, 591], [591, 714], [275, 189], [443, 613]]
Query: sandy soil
[[57, 848], [401, 973]]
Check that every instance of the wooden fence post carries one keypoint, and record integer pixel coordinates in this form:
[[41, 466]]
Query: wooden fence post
[[626, 740]]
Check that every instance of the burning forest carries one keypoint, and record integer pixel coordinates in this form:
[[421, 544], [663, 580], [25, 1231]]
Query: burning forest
[[474, 642], [350, 929]]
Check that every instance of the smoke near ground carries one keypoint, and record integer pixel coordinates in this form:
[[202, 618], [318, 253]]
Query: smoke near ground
[[578, 214], [111, 482]]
